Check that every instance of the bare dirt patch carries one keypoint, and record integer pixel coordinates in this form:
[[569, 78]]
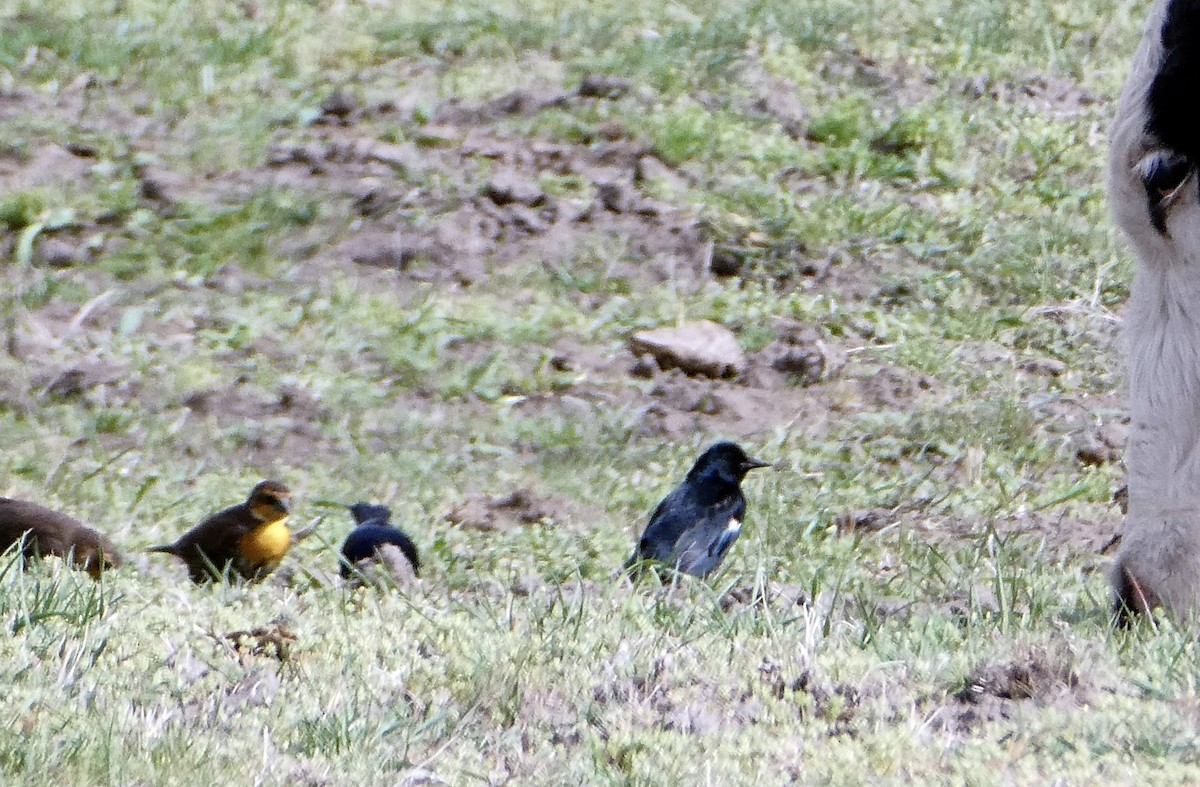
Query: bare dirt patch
[[782, 385], [1002, 690], [46, 165], [268, 425], [1047, 94], [1064, 535], [274, 641], [660, 700], [905, 83], [520, 508], [776, 595], [837, 704], [457, 198]]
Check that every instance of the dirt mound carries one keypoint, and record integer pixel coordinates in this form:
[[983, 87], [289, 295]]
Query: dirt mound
[[998, 690], [503, 513]]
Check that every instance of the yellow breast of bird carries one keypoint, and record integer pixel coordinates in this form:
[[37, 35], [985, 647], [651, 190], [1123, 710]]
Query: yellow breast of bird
[[267, 543]]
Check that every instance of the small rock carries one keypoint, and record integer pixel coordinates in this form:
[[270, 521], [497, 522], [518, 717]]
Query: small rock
[[340, 104], [725, 262], [698, 348], [526, 219], [612, 131], [866, 521], [649, 169], [374, 199], [76, 380], [499, 513], [1091, 451], [58, 253], [801, 351], [82, 149], [526, 586], [1044, 367], [613, 196], [806, 363], [474, 514], [402, 157], [162, 185], [70, 382], [603, 86], [644, 367], [507, 188], [437, 136]]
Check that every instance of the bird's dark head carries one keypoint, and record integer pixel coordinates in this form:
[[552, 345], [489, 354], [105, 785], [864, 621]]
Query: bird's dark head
[[725, 460], [270, 501], [370, 513]]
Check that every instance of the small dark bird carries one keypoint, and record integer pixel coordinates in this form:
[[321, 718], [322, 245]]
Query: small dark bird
[[48, 532], [249, 539], [373, 531], [694, 526]]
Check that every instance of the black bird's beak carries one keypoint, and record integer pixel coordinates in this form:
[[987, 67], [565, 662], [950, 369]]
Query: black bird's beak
[[753, 464]]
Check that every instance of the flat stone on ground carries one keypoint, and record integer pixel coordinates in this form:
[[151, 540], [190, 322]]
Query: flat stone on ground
[[698, 348]]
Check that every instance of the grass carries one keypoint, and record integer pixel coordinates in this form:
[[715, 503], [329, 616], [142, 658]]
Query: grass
[[941, 160]]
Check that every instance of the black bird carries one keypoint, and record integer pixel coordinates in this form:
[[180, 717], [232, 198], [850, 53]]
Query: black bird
[[374, 531], [694, 526]]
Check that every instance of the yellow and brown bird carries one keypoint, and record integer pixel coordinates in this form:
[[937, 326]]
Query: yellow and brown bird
[[48, 532], [247, 540]]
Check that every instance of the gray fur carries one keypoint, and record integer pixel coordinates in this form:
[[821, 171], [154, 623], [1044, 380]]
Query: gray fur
[[1160, 550]]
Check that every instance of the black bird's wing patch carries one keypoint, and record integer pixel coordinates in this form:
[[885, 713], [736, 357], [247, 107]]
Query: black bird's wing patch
[[668, 522], [724, 541], [703, 546]]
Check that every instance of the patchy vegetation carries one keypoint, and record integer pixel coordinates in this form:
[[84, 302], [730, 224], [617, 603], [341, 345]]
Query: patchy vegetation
[[401, 252]]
